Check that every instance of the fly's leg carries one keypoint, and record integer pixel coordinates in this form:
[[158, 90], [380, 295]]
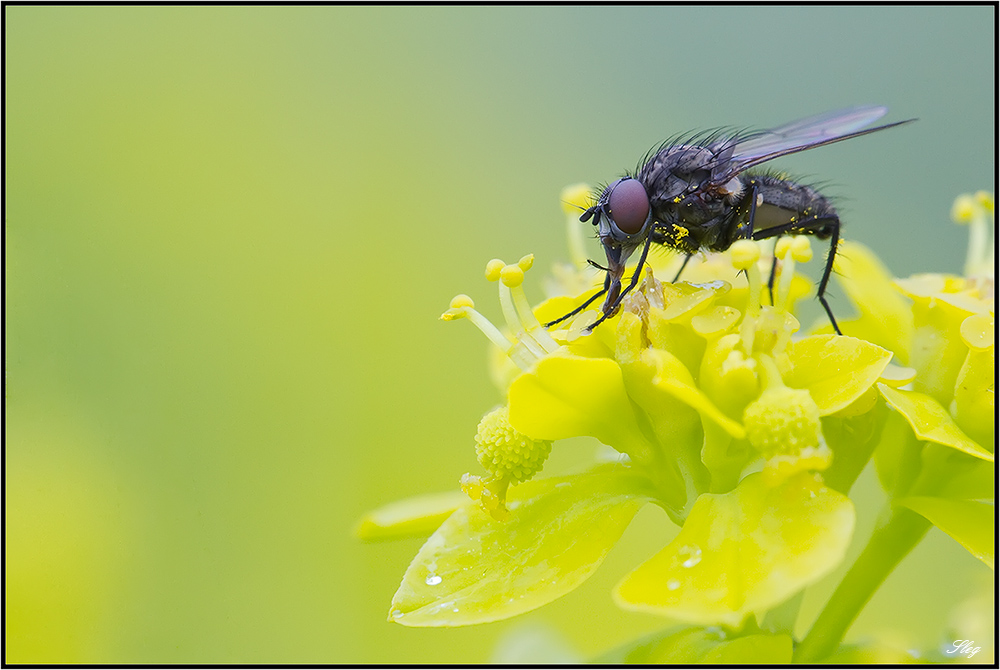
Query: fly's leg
[[830, 256], [677, 276], [607, 284], [746, 211], [827, 226], [610, 309], [771, 276]]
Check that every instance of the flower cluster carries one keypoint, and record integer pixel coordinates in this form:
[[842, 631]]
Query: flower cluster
[[748, 434]]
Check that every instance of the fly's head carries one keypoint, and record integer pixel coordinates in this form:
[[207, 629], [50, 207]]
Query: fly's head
[[622, 215]]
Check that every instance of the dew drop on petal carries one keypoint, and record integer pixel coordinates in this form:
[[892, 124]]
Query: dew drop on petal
[[673, 584], [397, 614], [693, 556], [433, 580], [717, 632]]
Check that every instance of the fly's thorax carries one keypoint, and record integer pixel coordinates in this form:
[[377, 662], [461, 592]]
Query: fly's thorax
[[677, 171], [682, 187], [693, 209]]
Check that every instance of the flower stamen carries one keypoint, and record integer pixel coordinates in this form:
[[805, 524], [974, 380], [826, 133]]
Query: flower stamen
[[517, 311], [462, 307], [745, 254], [976, 211], [528, 341]]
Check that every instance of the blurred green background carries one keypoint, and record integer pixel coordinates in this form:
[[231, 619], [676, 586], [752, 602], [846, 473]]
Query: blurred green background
[[230, 232]]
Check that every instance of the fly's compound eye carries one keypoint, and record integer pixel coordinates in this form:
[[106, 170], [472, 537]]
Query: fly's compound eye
[[629, 205]]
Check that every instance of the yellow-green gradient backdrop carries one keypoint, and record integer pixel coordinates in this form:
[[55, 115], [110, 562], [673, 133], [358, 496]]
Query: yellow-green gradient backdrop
[[229, 234]]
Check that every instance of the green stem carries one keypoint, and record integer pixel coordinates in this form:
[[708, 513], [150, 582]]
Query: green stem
[[782, 618], [890, 542]]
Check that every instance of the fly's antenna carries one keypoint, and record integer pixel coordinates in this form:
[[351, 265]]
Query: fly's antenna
[[573, 204], [592, 212]]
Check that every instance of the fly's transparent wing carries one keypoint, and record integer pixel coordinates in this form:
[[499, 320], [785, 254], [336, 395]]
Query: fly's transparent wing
[[745, 151], [805, 133]]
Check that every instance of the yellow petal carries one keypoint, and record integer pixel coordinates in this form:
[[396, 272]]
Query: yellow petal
[[835, 370], [568, 396], [930, 421], [673, 377]]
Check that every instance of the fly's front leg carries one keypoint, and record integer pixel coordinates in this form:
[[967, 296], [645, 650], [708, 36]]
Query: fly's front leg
[[611, 305], [607, 284]]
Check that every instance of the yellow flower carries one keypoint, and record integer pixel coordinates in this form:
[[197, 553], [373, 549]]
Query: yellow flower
[[746, 433], [693, 383]]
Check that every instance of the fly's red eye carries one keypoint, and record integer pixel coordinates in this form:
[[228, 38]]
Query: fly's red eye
[[629, 205]]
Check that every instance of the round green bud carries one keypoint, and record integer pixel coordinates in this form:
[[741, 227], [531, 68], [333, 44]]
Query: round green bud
[[783, 421], [504, 452]]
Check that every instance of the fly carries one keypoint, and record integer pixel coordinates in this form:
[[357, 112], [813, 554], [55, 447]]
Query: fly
[[698, 193]]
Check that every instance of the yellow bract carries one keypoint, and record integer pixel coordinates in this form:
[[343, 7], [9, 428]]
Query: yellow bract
[[474, 569], [743, 552], [418, 515]]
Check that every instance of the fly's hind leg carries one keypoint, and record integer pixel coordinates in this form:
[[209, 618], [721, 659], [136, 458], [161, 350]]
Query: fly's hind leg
[[771, 276], [822, 227], [834, 228]]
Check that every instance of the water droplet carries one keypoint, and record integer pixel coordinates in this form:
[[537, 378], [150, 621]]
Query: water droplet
[[673, 585], [693, 555], [433, 580], [396, 614]]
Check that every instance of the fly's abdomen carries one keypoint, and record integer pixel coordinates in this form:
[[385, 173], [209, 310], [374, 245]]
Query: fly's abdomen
[[787, 204]]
